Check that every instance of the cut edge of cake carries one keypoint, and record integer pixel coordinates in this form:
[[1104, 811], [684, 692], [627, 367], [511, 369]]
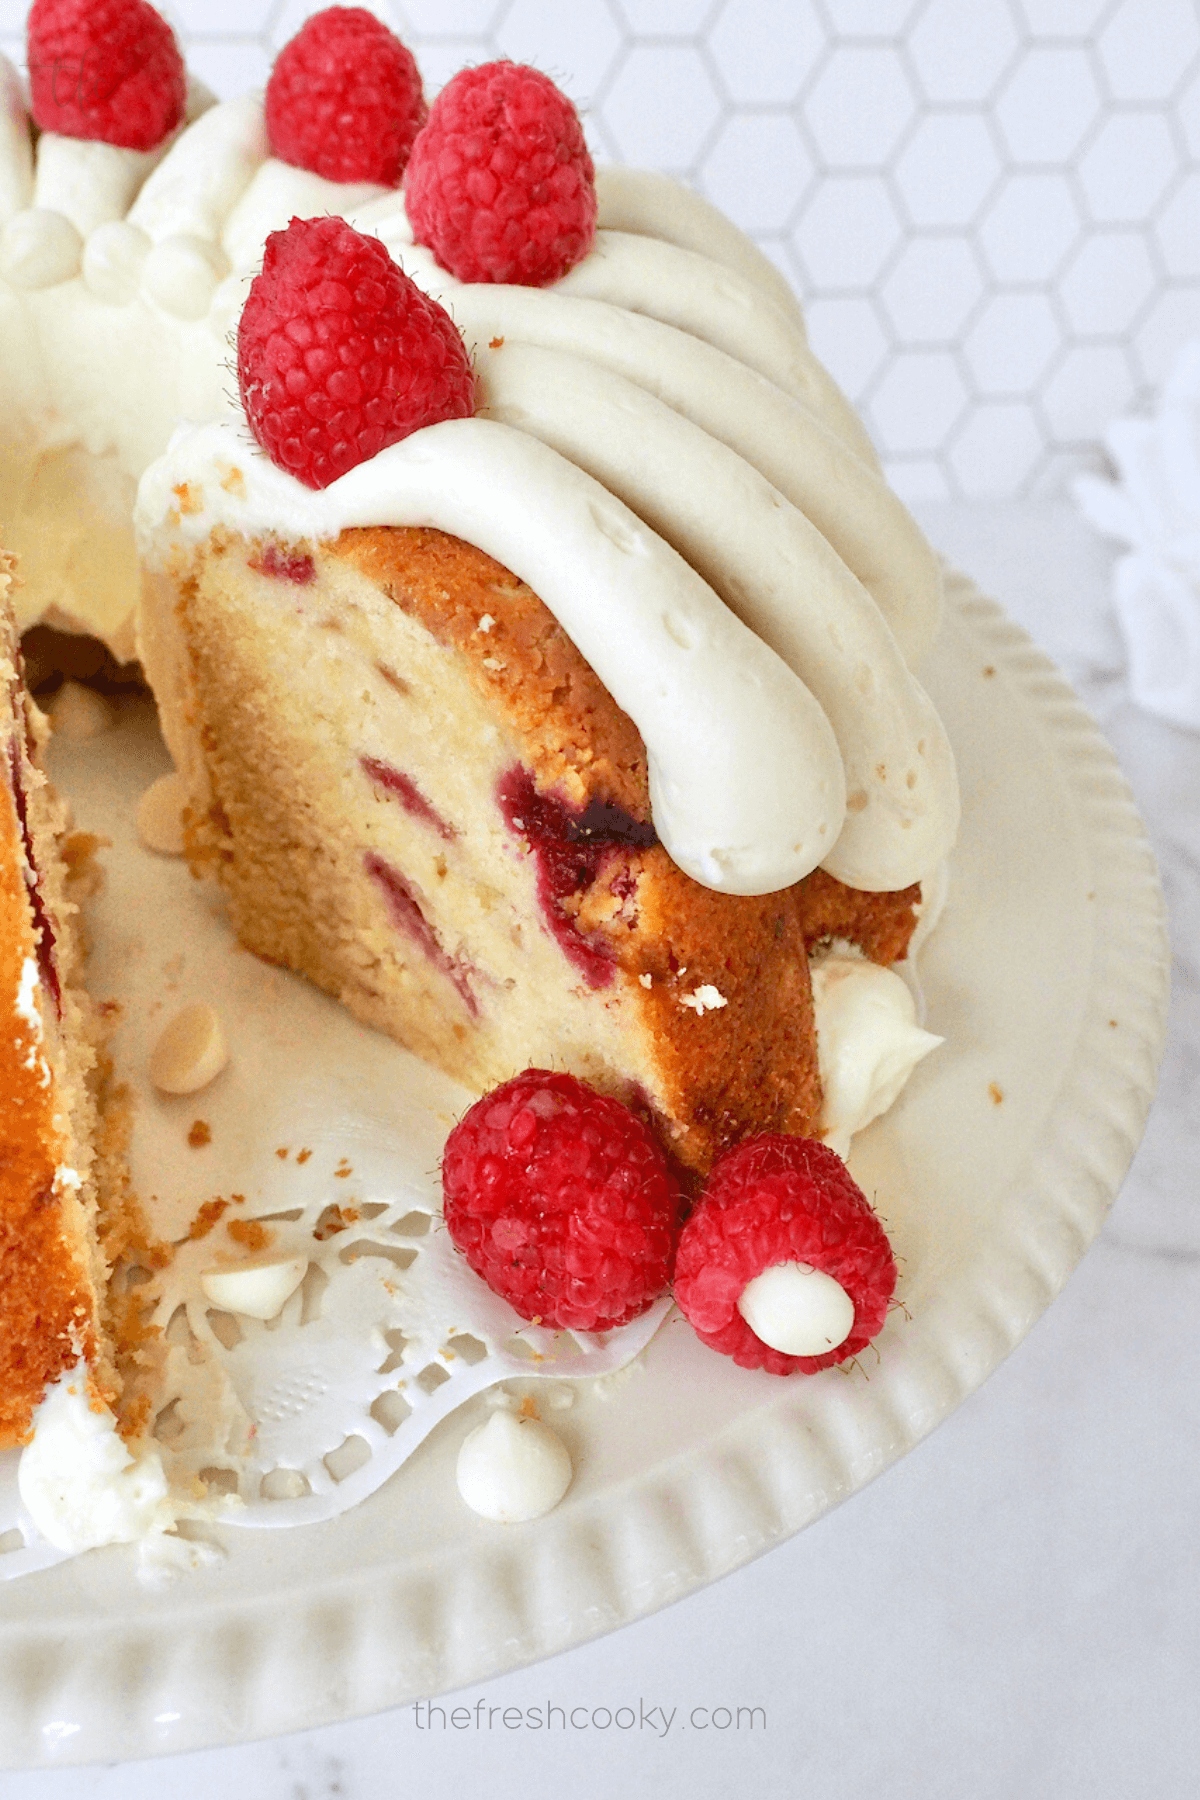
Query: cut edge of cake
[[415, 791], [68, 1217]]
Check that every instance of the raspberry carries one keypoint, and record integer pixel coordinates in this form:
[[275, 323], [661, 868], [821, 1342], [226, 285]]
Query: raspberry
[[562, 1201], [771, 1200], [106, 69], [345, 99], [500, 184], [340, 354]]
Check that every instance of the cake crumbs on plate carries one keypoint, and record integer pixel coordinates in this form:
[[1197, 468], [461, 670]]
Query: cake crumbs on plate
[[252, 1234], [207, 1215], [200, 1134]]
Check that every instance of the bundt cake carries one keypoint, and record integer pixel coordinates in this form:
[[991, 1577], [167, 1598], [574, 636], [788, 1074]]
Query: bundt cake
[[559, 734]]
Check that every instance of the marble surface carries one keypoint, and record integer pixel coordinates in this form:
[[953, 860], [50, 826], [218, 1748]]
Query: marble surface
[[1014, 1609]]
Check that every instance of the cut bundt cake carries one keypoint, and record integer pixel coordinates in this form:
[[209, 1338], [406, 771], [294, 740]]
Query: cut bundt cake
[[416, 792], [53, 1265]]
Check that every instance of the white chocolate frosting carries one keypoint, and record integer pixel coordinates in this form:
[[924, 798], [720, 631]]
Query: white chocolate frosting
[[868, 1041], [80, 1484]]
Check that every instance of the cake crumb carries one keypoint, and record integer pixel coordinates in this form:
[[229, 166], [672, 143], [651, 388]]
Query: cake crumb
[[343, 1171], [283, 1153], [189, 501], [496, 343], [995, 1092], [206, 1217], [704, 999], [303, 1156], [252, 1234], [200, 1134]]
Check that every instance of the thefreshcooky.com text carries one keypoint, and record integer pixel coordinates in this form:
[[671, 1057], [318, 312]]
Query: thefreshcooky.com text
[[429, 1716]]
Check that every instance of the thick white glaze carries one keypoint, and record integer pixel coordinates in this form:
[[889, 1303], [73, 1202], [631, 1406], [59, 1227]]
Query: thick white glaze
[[778, 574]]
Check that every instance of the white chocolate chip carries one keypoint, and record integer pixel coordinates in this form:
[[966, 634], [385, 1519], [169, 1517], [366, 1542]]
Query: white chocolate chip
[[512, 1468], [78, 713], [191, 1051], [160, 816], [257, 1289], [797, 1310]]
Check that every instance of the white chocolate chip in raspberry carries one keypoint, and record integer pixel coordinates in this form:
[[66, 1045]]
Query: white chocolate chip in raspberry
[[191, 1051], [160, 816], [257, 1289], [797, 1310], [78, 713]]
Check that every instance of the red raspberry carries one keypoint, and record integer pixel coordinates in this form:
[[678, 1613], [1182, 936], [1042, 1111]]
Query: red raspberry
[[340, 354], [345, 99], [772, 1200], [500, 184], [562, 1201], [106, 69]]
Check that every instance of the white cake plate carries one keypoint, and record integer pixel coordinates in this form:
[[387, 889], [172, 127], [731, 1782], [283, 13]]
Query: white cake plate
[[1048, 976]]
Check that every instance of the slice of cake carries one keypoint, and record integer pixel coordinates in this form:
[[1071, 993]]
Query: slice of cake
[[53, 1267], [416, 792]]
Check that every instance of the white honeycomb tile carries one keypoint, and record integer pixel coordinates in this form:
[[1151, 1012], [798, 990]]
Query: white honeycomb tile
[[931, 289], [1047, 104], [664, 18], [996, 450], [869, 18], [1030, 227], [1168, 323], [1010, 345], [846, 232], [859, 106], [961, 48], [917, 478], [849, 339], [1094, 382], [947, 168], [1107, 284], [765, 49], [230, 67], [1061, 18], [1187, 113], [1177, 229], [1146, 47], [219, 18], [1127, 167], [916, 402], [448, 18], [440, 59], [758, 170], [662, 106], [577, 46]]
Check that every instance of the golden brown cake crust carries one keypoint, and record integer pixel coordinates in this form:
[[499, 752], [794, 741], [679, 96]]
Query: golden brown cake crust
[[47, 1308], [578, 742]]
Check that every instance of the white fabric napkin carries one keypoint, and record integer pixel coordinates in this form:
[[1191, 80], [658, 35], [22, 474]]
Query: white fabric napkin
[[1154, 510]]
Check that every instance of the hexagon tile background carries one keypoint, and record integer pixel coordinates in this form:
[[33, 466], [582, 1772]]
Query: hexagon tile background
[[990, 207]]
